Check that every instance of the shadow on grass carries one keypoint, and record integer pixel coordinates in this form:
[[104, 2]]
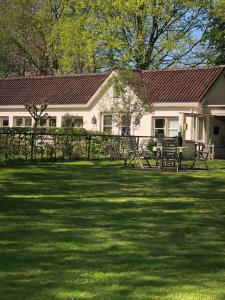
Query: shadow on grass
[[97, 231]]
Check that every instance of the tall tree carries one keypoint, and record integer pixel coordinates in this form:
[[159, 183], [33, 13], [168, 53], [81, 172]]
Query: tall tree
[[216, 34], [153, 34], [26, 26], [76, 38], [66, 36], [136, 33]]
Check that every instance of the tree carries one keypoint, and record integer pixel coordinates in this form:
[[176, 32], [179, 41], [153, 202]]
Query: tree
[[25, 27], [141, 34], [78, 40], [36, 111], [66, 36], [216, 34], [130, 100]]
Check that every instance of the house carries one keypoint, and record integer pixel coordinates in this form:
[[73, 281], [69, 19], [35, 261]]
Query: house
[[190, 101]]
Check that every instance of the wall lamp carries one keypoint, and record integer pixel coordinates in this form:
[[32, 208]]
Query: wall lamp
[[94, 120]]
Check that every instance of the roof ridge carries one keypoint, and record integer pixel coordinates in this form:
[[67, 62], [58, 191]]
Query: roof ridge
[[53, 76], [184, 69], [107, 73]]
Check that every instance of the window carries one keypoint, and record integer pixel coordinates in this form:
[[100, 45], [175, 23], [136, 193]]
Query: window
[[43, 123], [159, 127], [78, 122], [107, 123], [216, 130], [17, 122], [22, 121], [4, 121], [166, 127], [27, 122], [72, 121], [126, 125], [173, 127], [50, 122]]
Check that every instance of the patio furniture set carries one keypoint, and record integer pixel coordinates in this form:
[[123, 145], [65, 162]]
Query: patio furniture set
[[167, 154]]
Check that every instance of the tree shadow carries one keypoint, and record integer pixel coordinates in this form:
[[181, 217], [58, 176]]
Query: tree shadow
[[94, 231]]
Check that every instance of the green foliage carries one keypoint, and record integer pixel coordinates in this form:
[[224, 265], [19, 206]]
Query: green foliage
[[51, 37], [216, 35], [25, 27], [65, 143]]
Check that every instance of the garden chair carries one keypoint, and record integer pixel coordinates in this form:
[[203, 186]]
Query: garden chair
[[138, 155], [170, 158], [167, 155], [201, 154]]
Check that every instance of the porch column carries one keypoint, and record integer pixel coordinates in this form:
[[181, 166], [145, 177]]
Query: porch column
[[196, 129], [207, 128], [181, 123], [11, 120], [58, 121]]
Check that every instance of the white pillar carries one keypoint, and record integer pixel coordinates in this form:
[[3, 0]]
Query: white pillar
[[196, 129], [10, 120], [58, 120], [181, 123], [207, 129]]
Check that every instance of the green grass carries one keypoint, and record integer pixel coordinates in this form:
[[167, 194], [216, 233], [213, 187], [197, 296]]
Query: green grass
[[94, 230]]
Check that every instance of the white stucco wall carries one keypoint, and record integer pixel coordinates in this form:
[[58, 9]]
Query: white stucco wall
[[216, 95]]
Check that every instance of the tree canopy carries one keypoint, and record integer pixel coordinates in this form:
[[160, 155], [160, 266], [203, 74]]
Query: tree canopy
[[216, 34], [45, 37]]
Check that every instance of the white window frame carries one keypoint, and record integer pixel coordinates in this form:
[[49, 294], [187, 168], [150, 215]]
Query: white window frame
[[157, 128], [107, 126], [47, 122], [23, 121], [166, 125], [2, 119], [172, 129], [75, 117]]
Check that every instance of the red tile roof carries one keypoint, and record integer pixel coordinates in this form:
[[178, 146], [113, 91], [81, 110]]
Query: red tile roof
[[76, 89], [171, 85], [180, 85]]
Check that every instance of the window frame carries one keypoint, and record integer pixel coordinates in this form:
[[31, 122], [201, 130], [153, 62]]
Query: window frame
[[2, 119], [166, 127], [23, 124], [105, 126], [72, 118], [47, 122]]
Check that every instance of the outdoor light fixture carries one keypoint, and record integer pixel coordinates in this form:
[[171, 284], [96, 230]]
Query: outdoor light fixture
[[137, 121], [94, 120]]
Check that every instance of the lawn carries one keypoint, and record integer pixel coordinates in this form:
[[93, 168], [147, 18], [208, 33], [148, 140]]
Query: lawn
[[94, 230]]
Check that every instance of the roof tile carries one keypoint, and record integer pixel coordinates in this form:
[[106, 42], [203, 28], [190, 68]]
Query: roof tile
[[164, 86], [180, 85], [76, 89]]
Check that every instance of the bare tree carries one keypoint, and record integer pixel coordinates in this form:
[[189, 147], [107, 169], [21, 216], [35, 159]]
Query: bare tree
[[36, 111]]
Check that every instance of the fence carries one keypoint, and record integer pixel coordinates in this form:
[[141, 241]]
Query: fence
[[17, 145]]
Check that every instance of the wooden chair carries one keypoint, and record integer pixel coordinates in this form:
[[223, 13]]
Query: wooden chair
[[201, 154], [137, 155], [169, 157]]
